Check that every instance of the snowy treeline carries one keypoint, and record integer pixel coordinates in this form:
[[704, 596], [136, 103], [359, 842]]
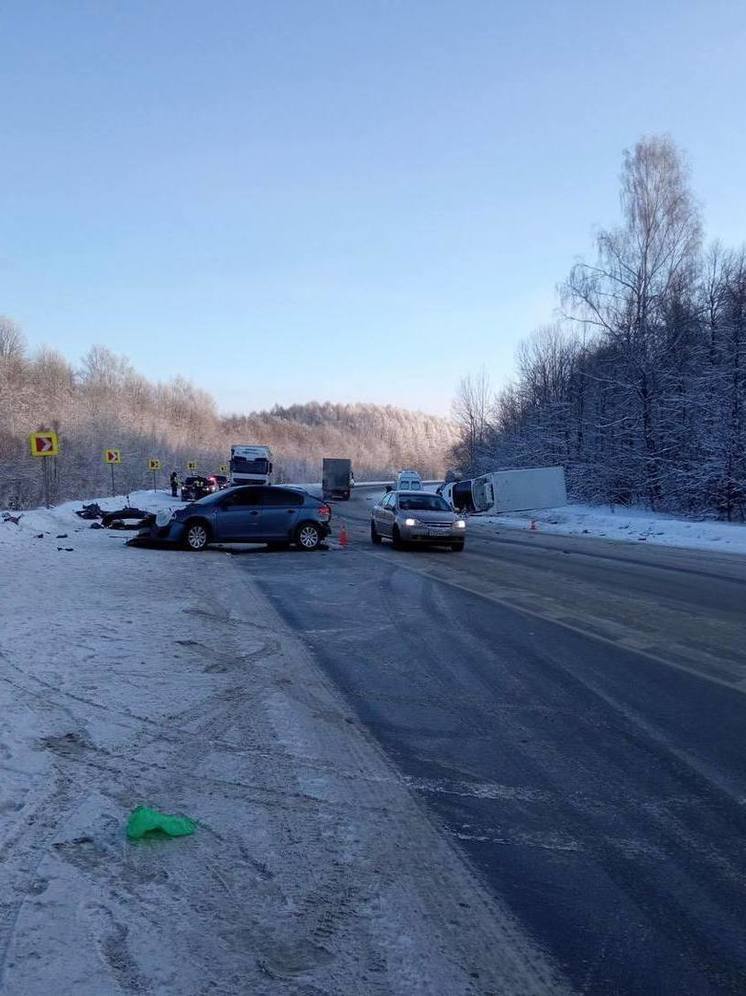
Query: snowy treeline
[[640, 389], [380, 439], [106, 403]]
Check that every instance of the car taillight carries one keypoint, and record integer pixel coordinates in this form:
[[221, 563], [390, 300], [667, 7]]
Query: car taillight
[[325, 512]]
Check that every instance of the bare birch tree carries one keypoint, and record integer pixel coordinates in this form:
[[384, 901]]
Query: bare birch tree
[[473, 408]]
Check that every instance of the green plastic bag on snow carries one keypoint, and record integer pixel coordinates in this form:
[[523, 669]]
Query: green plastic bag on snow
[[144, 821]]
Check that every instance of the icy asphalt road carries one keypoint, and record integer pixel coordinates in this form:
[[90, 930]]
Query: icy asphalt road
[[132, 676], [573, 714]]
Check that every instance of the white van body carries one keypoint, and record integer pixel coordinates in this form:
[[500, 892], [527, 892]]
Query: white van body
[[251, 465], [520, 490], [408, 480]]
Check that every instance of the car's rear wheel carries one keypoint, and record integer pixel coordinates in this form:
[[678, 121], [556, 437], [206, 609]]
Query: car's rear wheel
[[396, 539], [374, 535], [197, 536], [458, 545], [308, 536]]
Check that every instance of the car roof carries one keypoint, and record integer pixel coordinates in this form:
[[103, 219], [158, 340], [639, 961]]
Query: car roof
[[273, 487]]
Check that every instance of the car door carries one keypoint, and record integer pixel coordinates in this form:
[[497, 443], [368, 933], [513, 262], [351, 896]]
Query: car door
[[280, 511], [238, 517], [385, 523], [378, 513]]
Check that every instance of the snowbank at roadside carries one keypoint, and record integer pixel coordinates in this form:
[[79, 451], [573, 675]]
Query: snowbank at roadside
[[624, 524], [45, 534], [62, 518], [137, 676]]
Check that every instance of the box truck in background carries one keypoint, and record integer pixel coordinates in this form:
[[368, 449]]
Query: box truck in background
[[336, 478]]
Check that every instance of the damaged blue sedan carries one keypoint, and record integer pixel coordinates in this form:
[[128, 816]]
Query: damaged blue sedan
[[276, 516]]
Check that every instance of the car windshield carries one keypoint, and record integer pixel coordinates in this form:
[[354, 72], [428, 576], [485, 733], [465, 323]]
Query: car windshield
[[423, 503]]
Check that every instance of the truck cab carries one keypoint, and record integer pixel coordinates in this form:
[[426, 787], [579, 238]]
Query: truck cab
[[251, 465]]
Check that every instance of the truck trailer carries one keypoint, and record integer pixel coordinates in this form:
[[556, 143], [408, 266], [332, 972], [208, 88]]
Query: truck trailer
[[336, 478], [519, 490], [509, 490]]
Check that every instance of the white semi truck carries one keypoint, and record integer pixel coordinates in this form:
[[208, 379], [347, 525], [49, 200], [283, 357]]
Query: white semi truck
[[251, 465]]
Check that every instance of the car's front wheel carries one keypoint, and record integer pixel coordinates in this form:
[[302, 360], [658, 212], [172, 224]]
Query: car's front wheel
[[374, 534], [396, 540], [197, 536], [308, 536]]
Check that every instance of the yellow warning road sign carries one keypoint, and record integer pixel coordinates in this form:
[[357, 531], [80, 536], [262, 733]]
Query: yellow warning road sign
[[223, 468], [112, 456], [44, 444], [154, 464], [191, 465]]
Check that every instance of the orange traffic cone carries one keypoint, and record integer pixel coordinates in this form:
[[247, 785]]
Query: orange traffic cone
[[343, 537]]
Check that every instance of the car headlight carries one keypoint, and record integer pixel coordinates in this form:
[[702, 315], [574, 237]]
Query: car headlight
[[459, 524], [410, 522]]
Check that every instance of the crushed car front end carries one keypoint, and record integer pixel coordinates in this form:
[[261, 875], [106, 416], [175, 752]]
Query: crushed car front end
[[167, 526]]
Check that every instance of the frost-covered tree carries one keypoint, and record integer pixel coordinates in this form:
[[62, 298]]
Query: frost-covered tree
[[640, 393]]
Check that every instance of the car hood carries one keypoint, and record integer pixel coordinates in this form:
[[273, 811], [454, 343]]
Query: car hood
[[185, 510], [426, 515]]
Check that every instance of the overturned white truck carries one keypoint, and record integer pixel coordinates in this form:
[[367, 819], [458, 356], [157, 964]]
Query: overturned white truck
[[509, 490]]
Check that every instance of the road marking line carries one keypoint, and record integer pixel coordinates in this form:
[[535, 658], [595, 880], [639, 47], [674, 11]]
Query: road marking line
[[588, 634]]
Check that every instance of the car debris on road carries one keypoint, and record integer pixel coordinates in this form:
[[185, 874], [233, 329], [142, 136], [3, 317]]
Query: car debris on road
[[127, 517]]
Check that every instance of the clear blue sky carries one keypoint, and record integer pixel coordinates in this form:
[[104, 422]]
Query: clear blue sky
[[351, 200]]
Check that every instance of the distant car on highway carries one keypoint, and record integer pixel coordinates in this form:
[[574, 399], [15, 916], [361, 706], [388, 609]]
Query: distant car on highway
[[195, 488], [416, 517], [277, 516], [408, 480], [218, 481]]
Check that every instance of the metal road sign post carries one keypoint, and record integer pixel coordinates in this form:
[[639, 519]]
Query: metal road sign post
[[154, 465], [112, 456], [45, 443]]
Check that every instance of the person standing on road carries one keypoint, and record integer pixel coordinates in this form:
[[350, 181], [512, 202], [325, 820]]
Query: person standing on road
[[174, 484]]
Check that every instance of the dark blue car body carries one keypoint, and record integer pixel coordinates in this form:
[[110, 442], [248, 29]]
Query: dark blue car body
[[249, 514]]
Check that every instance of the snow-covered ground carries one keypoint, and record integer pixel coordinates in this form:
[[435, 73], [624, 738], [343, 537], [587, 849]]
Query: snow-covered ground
[[625, 524], [135, 676]]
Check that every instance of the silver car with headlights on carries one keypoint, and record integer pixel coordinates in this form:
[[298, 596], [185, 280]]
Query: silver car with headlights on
[[416, 517]]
